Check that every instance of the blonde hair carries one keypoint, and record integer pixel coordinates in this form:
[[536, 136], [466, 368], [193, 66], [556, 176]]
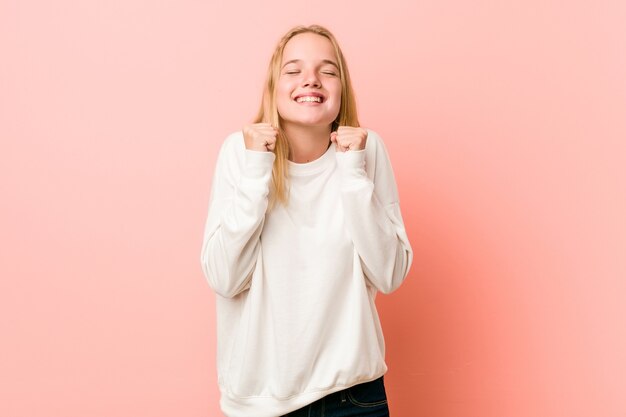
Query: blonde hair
[[268, 112]]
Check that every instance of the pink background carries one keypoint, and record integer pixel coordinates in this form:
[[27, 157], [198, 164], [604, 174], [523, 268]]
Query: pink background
[[505, 122]]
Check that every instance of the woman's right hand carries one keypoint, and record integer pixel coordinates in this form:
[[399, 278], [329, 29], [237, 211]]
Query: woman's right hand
[[260, 137]]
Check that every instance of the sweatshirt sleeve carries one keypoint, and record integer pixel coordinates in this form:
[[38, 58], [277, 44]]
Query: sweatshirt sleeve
[[237, 206], [372, 214]]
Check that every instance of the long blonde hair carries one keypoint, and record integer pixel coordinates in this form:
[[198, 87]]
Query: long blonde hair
[[268, 112]]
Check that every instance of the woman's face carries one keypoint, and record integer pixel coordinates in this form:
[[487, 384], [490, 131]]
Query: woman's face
[[308, 91]]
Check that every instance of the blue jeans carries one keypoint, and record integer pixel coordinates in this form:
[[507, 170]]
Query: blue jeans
[[363, 400]]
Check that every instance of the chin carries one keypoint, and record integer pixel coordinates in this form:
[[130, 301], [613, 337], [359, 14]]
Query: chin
[[315, 124], [308, 122]]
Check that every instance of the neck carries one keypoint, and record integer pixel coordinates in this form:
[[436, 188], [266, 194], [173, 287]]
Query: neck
[[307, 143]]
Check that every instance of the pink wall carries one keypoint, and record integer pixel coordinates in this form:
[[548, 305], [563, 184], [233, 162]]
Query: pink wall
[[505, 122]]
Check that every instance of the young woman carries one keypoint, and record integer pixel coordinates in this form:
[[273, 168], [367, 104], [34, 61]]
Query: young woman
[[303, 229]]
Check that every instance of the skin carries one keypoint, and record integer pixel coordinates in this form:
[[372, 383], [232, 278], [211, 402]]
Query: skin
[[308, 67]]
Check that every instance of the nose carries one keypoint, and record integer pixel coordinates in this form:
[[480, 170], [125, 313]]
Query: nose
[[311, 80]]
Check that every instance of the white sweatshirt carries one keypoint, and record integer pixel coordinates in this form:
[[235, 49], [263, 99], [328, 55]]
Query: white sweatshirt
[[296, 318]]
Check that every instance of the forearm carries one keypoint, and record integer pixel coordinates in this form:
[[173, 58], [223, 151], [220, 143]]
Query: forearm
[[376, 229], [234, 225]]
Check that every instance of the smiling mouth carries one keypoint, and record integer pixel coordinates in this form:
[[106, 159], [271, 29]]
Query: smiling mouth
[[309, 99]]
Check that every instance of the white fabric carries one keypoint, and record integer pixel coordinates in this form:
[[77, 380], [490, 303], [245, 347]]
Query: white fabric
[[295, 286]]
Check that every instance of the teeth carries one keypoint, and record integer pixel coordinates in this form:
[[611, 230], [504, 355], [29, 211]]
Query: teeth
[[309, 98]]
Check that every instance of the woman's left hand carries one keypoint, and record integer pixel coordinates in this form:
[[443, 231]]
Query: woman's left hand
[[348, 138]]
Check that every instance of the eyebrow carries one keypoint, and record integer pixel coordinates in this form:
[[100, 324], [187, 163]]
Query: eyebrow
[[324, 61]]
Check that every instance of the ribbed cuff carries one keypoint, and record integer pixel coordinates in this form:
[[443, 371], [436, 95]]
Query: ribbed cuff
[[351, 159], [258, 163], [351, 165]]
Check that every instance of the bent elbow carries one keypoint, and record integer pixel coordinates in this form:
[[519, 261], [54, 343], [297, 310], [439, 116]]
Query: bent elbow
[[219, 283], [228, 292], [391, 285], [220, 279], [402, 264]]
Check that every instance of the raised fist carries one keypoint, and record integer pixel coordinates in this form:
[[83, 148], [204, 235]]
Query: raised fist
[[259, 137], [348, 138]]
